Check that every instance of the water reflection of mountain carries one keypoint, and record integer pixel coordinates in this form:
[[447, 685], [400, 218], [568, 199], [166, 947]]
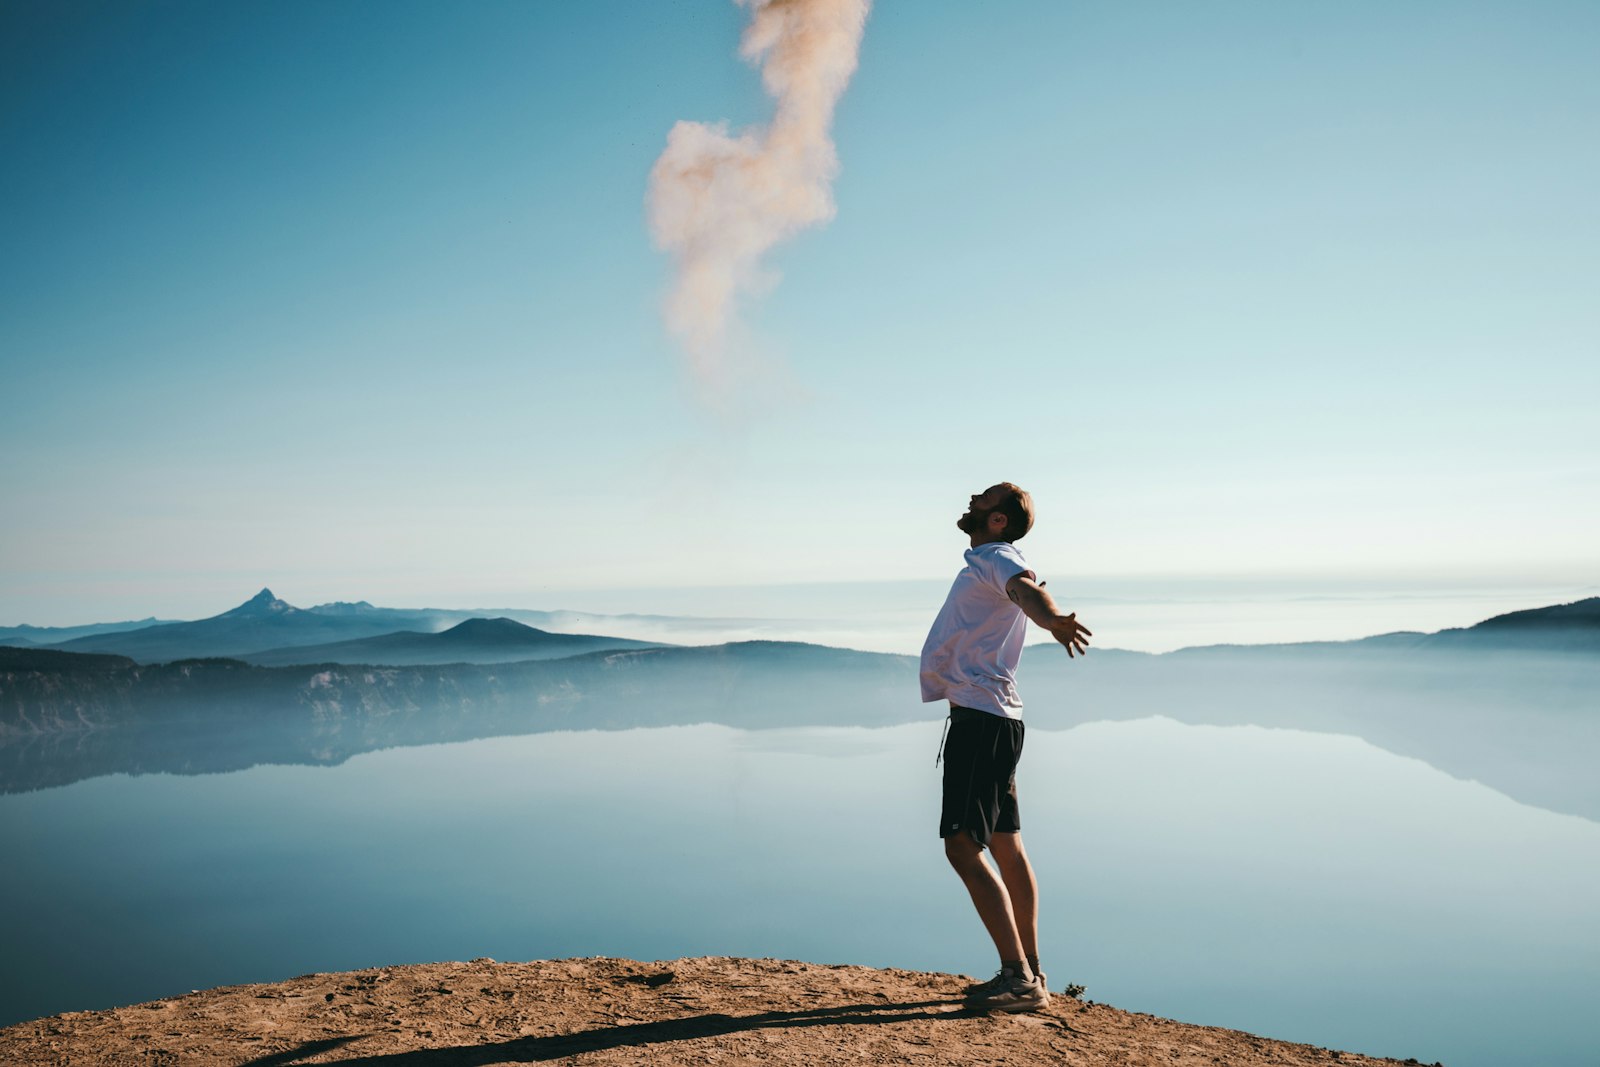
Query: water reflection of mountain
[[1522, 722], [1510, 702]]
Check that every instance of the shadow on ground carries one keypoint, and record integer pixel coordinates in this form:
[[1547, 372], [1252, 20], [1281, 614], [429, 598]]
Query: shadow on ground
[[559, 1046]]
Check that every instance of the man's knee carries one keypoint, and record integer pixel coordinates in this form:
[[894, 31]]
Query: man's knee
[[1003, 843], [961, 850]]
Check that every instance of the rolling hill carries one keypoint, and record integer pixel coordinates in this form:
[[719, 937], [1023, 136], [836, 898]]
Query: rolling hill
[[473, 641]]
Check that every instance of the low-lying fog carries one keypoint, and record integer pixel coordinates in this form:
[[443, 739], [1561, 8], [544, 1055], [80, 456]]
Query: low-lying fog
[[1143, 614]]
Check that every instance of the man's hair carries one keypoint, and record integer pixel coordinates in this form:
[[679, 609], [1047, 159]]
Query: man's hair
[[1017, 506]]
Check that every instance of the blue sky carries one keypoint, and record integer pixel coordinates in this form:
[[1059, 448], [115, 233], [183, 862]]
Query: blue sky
[[357, 300]]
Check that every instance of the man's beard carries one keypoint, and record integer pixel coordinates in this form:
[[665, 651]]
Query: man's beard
[[972, 521]]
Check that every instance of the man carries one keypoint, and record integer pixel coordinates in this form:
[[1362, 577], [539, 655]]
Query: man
[[970, 659]]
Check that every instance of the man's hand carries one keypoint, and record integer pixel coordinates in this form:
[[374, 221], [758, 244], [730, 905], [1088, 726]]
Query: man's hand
[[1038, 605], [1070, 632]]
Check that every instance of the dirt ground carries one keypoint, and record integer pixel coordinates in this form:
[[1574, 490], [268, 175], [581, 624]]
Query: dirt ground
[[713, 1010]]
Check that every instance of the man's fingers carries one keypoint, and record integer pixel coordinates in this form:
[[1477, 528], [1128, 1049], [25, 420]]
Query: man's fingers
[[1073, 636]]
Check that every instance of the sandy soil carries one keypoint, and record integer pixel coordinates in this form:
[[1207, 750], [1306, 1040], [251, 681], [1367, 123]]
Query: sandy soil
[[606, 1011]]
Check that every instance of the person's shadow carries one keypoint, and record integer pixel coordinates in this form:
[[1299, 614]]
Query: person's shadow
[[558, 1046]]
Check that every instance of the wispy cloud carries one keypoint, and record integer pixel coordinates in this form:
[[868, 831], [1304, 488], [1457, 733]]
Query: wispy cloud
[[719, 201]]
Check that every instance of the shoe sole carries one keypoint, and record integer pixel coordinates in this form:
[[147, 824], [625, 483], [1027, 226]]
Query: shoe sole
[[1021, 1006], [973, 992], [1011, 1007]]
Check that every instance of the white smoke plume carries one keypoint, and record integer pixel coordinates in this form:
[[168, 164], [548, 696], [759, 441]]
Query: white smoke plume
[[719, 201]]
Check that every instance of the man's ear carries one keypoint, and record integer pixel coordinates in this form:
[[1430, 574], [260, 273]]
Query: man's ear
[[1004, 521]]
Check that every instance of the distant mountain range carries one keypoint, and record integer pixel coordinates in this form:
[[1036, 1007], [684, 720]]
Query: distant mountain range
[[266, 630], [1573, 627], [50, 635]]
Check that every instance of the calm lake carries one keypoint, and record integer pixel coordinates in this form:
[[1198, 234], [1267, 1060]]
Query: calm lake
[[1302, 886]]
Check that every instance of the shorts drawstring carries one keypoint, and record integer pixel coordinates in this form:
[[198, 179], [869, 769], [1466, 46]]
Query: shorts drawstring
[[946, 733]]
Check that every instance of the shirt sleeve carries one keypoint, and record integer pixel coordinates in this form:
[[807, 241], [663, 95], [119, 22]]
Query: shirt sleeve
[[1004, 564]]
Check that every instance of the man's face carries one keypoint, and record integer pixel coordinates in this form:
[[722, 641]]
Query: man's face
[[981, 506]]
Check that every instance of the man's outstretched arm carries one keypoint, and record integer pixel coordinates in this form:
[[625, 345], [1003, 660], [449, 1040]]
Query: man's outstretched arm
[[1038, 605]]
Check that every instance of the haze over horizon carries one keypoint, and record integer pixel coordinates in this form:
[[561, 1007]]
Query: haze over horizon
[[1153, 615], [365, 307]]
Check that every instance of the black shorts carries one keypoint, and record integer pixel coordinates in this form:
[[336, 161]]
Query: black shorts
[[980, 775]]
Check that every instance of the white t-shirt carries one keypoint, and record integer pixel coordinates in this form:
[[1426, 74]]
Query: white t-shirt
[[971, 655]]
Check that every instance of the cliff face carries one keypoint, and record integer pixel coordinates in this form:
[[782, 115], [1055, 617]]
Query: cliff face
[[65, 717], [45, 692], [609, 1011], [48, 692]]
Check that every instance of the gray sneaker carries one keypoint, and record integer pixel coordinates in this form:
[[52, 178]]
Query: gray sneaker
[[1009, 993], [1002, 976], [1002, 979]]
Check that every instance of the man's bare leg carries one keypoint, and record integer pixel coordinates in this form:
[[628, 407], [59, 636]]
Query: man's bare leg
[[990, 897], [1021, 888]]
